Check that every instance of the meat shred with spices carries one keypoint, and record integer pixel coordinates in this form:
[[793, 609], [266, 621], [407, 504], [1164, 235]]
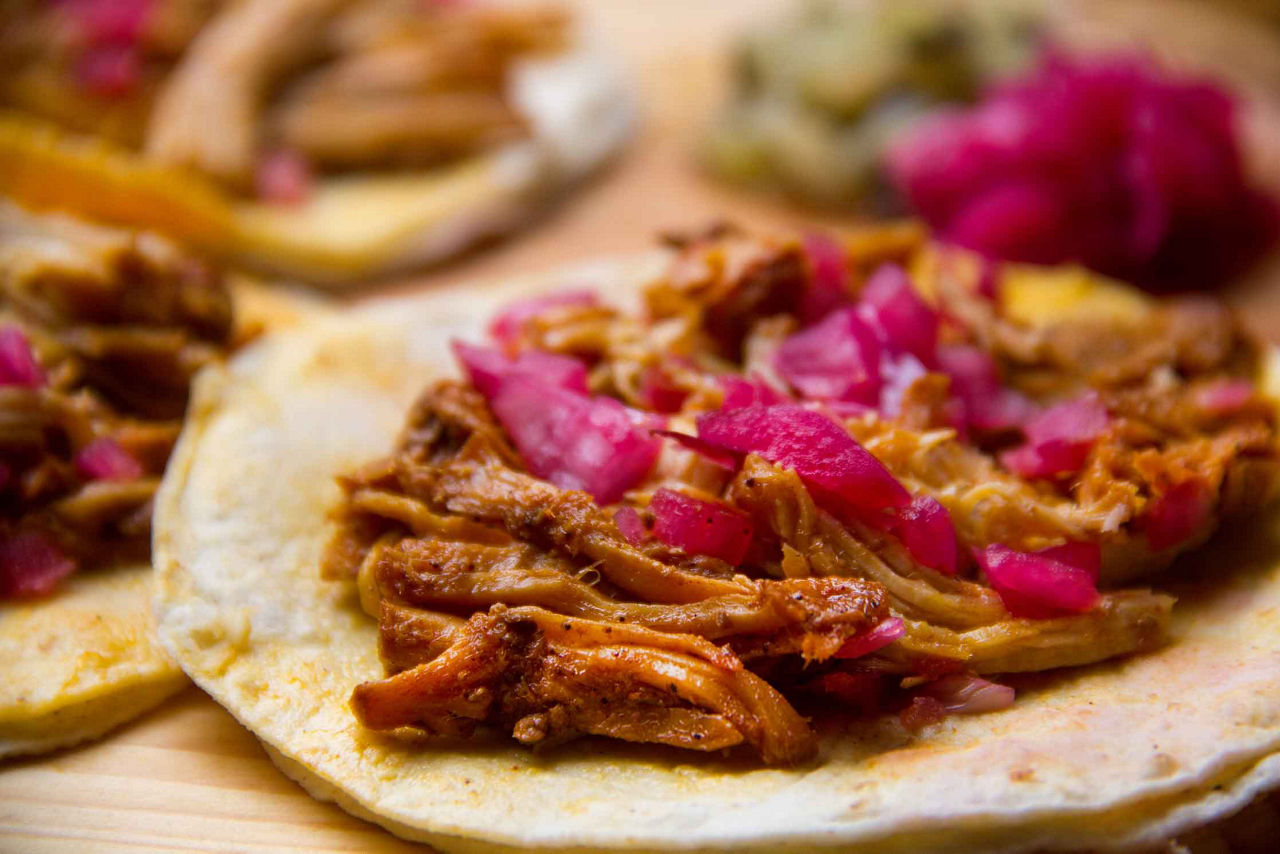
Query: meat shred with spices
[[510, 596], [101, 332]]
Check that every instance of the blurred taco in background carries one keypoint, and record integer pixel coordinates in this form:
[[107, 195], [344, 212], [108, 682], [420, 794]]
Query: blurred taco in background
[[101, 333], [790, 545], [318, 139]]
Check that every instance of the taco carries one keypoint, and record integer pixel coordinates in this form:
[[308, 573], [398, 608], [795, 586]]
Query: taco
[[101, 331], [323, 140], [791, 545]]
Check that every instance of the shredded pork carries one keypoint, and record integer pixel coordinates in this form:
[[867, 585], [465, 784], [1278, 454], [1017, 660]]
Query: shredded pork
[[508, 603], [118, 323]]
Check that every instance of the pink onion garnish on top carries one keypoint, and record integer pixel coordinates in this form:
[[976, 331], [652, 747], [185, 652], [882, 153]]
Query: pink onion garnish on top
[[658, 392], [1178, 515], [712, 453], [966, 694], [1059, 438], [1043, 584], [926, 531], [18, 365], [878, 637], [574, 440], [837, 358], [283, 177], [899, 373], [1224, 396], [819, 450], [104, 459], [31, 565], [630, 525], [907, 323], [109, 71], [701, 527], [508, 325], [488, 368], [740, 392], [975, 382], [1109, 162], [828, 278], [109, 21]]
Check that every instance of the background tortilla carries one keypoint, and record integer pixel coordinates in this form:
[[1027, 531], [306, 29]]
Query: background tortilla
[[1118, 755], [84, 660], [354, 226]]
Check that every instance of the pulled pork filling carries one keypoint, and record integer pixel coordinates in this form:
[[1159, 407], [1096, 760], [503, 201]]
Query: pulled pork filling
[[293, 87], [101, 332], [809, 475]]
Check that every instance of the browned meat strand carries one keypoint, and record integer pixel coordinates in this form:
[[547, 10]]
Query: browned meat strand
[[505, 602], [119, 324], [544, 678]]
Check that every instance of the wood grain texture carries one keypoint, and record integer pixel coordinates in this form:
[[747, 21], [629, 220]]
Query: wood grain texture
[[187, 777]]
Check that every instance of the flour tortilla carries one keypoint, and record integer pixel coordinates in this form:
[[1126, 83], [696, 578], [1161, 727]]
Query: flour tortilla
[[85, 660], [352, 227], [1117, 755]]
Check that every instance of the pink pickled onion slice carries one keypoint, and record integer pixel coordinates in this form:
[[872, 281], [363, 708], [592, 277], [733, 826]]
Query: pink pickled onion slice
[[18, 365], [837, 358], [109, 21], [828, 278], [1106, 161], [1224, 397], [1082, 419], [1086, 556], [740, 392], [31, 565], [820, 451], [283, 178], [878, 637], [975, 381], [104, 459], [1039, 585], [965, 694], [701, 527], [109, 71], [907, 322], [630, 524], [717, 455], [898, 373], [1059, 438], [508, 325], [838, 410], [1178, 515], [658, 392], [575, 441], [925, 528], [488, 368]]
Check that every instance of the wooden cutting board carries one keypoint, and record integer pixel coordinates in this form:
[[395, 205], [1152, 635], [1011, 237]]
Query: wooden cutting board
[[187, 777]]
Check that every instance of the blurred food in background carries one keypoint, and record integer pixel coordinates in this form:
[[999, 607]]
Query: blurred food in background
[[1107, 161], [332, 86], [202, 108], [816, 96], [986, 119]]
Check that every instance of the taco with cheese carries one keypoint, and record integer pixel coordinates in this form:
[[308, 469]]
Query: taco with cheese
[[754, 544]]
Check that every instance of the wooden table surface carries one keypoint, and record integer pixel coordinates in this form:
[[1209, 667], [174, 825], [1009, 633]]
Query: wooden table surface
[[187, 777]]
